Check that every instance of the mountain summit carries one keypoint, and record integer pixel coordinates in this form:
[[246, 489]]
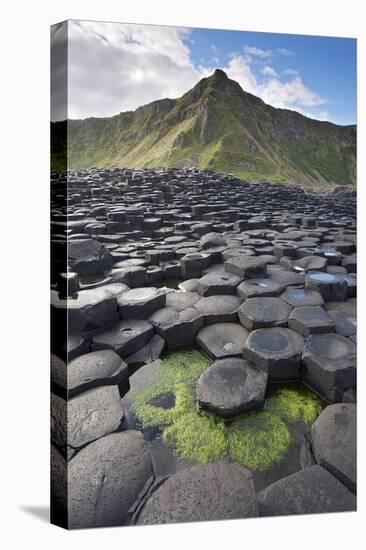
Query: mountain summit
[[219, 126]]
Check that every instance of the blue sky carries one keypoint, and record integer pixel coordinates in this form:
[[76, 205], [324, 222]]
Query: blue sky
[[116, 67]]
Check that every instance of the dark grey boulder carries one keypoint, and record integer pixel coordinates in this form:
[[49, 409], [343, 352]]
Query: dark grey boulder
[[330, 286], [298, 297], [333, 437], [310, 263], [203, 492], [98, 368], [125, 337], [254, 288], [87, 256], [329, 365], [264, 312], [222, 339], [275, 350], [191, 285], [231, 386], [219, 309], [310, 491], [288, 278], [193, 264], [212, 240], [149, 353], [345, 324], [348, 307], [93, 414], [310, 320], [181, 300], [140, 303], [88, 311], [218, 283], [105, 479], [178, 328], [246, 266]]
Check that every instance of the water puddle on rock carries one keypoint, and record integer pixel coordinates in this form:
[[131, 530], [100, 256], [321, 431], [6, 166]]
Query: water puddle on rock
[[273, 442]]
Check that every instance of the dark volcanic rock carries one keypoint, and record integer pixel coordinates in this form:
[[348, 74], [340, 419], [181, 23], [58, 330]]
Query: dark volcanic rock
[[222, 339], [219, 309], [93, 414], [203, 492], [310, 320], [140, 303], [231, 386], [125, 337], [311, 491], [105, 478], [98, 368], [333, 437], [275, 350], [329, 363], [264, 312]]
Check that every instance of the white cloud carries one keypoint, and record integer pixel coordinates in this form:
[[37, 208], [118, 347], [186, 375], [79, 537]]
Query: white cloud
[[290, 72], [267, 70], [239, 69], [257, 52], [118, 67], [284, 51], [293, 92]]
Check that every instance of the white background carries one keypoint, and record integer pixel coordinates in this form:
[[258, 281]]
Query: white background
[[24, 195]]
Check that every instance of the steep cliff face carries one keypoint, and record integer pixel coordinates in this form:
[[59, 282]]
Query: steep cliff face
[[219, 126]]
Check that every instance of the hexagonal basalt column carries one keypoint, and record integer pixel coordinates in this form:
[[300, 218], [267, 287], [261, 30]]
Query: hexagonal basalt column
[[178, 328], [254, 288], [310, 320], [330, 286], [193, 264], [298, 297], [125, 337], [140, 303], [203, 492], [246, 267], [312, 490], [275, 350], [219, 309], [231, 386], [218, 283], [333, 437], [329, 365], [222, 339], [264, 312]]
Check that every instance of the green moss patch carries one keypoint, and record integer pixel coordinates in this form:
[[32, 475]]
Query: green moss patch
[[198, 437], [257, 440], [295, 404]]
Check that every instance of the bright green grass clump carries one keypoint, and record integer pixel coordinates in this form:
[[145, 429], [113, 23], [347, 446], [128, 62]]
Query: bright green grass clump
[[257, 440], [198, 437], [295, 404]]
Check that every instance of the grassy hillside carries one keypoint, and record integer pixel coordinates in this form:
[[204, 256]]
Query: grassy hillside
[[215, 125]]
